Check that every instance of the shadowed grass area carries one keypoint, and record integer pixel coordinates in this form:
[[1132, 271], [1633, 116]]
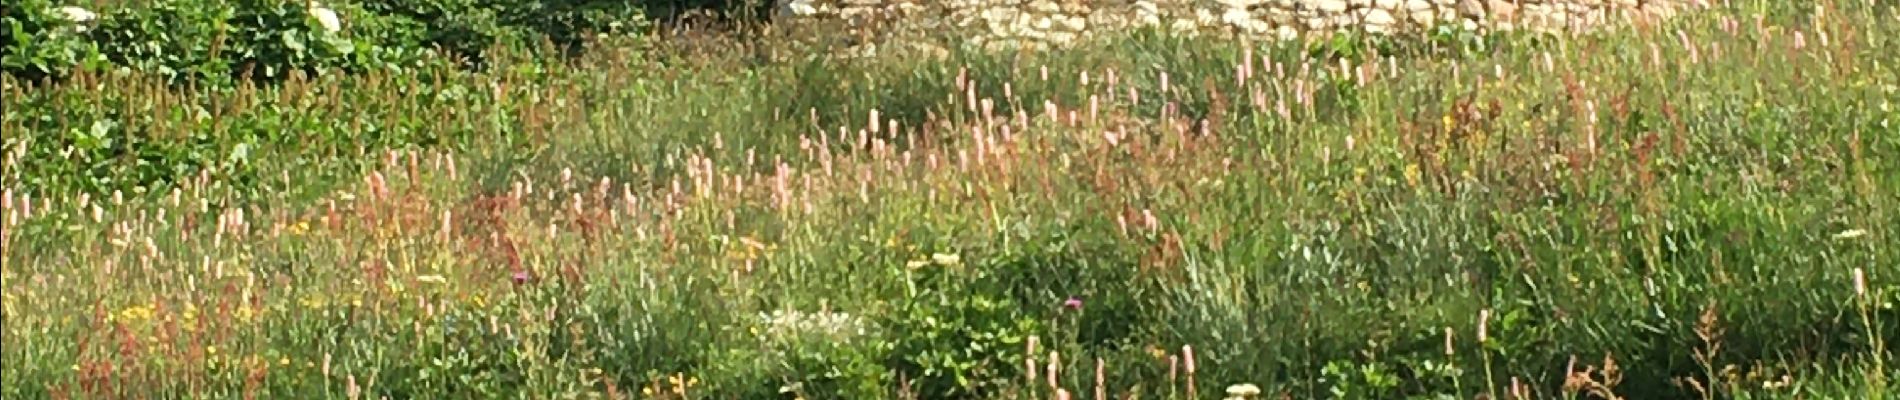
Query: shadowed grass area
[[1704, 208]]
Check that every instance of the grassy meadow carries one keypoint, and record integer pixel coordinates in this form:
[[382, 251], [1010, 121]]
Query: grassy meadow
[[1702, 208]]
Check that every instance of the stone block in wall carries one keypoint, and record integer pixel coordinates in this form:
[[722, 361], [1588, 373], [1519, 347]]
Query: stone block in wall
[[1036, 23]]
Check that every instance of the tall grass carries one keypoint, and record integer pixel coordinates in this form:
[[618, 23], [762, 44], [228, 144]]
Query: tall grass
[[1699, 208]]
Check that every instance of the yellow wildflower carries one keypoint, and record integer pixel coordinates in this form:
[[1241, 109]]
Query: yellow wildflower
[[312, 302], [134, 314], [1412, 175]]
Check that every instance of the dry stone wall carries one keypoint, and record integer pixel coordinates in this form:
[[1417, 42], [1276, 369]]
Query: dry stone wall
[[1011, 23]]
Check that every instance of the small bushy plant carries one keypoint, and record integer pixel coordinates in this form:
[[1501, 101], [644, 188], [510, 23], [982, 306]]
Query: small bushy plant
[[42, 40], [213, 41], [957, 344]]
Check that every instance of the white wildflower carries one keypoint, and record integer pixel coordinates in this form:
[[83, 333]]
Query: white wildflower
[[1850, 234], [81, 18], [325, 17], [77, 14], [1243, 391], [798, 8], [946, 259], [783, 324]]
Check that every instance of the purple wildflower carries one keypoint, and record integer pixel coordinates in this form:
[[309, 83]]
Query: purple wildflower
[[521, 277]]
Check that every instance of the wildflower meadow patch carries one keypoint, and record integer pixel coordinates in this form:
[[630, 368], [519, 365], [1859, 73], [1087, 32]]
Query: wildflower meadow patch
[[1704, 207]]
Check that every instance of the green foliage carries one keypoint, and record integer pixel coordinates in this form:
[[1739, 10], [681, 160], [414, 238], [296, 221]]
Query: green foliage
[[213, 41], [1453, 216], [749, 10], [960, 344], [467, 28], [807, 355], [41, 41]]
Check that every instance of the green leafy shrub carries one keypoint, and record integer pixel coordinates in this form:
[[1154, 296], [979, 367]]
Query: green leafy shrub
[[468, 28], [569, 23], [171, 38], [737, 8], [266, 39], [1086, 283], [104, 144], [960, 345], [824, 354], [278, 37], [41, 40]]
